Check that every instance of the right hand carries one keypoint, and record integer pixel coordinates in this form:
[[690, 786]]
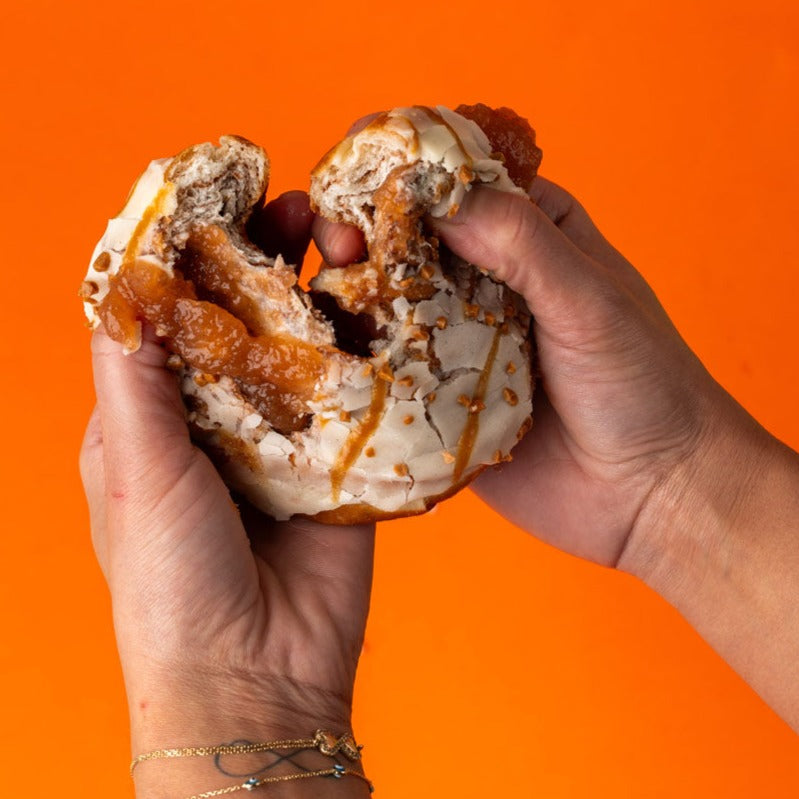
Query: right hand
[[622, 400], [637, 457]]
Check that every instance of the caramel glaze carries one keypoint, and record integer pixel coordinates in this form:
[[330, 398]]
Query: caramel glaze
[[358, 437], [280, 371], [469, 435]]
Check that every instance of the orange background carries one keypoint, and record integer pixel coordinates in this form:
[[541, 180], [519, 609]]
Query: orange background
[[513, 669]]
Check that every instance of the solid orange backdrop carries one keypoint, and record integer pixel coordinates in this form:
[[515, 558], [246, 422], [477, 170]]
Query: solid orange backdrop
[[493, 664]]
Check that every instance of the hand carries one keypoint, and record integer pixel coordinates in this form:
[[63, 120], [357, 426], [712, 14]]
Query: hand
[[622, 400], [637, 458], [229, 625]]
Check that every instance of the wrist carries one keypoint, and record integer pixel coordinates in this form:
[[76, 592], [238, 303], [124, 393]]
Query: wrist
[[718, 539], [175, 710], [688, 528], [166, 707]]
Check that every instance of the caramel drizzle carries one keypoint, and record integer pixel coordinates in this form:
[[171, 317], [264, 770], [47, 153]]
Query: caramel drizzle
[[358, 437], [469, 435], [155, 208]]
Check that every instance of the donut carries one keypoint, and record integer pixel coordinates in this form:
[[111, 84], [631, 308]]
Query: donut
[[385, 388]]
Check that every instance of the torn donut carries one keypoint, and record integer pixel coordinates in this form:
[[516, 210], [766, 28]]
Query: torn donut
[[386, 388]]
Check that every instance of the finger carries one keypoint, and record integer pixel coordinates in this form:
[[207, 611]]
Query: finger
[[283, 227], [339, 245], [516, 241], [573, 220], [145, 438], [92, 475], [569, 216]]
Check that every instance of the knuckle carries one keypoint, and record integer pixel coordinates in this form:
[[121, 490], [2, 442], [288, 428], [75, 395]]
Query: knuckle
[[514, 239]]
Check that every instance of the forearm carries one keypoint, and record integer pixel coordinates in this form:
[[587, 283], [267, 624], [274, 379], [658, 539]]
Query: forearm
[[719, 540], [191, 714]]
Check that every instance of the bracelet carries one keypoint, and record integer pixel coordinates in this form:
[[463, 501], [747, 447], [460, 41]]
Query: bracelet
[[325, 742], [251, 784]]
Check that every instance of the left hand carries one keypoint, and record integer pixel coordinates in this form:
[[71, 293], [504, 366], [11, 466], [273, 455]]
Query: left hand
[[229, 624]]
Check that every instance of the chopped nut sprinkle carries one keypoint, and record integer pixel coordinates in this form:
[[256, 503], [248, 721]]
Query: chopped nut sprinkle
[[405, 282], [408, 419], [420, 334], [476, 405], [87, 288], [464, 400], [369, 452], [405, 381], [174, 362], [367, 369], [427, 271], [345, 416], [102, 262], [524, 429], [441, 322], [497, 457], [203, 379], [447, 456], [511, 368], [401, 469], [431, 397], [470, 310], [510, 396], [386, 374], [490, 319]]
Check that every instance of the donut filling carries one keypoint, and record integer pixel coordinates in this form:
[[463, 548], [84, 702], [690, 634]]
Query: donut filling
[[205, 318]]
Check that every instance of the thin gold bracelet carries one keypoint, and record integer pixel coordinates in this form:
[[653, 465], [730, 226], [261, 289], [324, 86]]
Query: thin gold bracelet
[[325, 742], [254, 782]]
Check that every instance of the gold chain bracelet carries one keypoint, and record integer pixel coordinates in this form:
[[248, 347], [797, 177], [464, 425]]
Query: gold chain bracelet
[[325, 742], [254, 782]]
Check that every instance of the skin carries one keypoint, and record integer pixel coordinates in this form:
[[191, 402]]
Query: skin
[[231, 626]]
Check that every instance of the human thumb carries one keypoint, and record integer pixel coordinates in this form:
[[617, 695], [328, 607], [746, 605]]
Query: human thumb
[[513, 239]]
